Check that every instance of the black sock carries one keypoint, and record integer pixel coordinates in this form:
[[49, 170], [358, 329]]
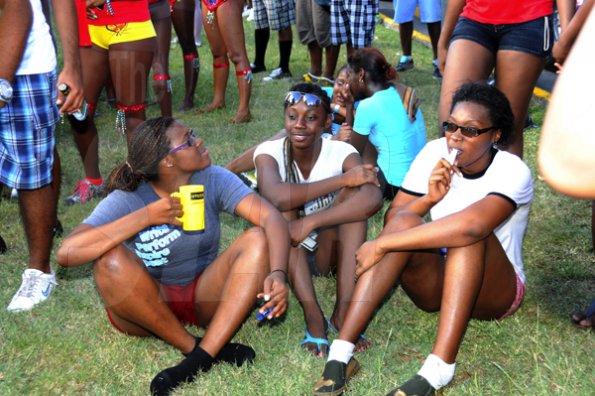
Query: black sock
[[284, 55], [261, 40], [167, 380], [237, 354]]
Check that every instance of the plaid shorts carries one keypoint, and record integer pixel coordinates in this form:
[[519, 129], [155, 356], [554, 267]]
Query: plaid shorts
[[27, 132], [353, 21], [276, 14]]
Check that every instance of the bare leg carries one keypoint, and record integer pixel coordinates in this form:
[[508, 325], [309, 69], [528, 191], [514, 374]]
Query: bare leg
[[161, 78], [434, 32], [38, 211], [130, 64], [229, 15], [220, 62], [315, 52], [183, 21], [406, 34], [466, 61], [331, 56], [516, 76], [227, 289], [132, 297]]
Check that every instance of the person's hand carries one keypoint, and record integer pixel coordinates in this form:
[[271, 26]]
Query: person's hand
[[367, 256], [559, 67], [440, 180], [95, 3], [165, 211], [74, 100], [299, 230], [347, 95], [344, 133], [442, 52], [275, 294], [560, 51], [359, 175]]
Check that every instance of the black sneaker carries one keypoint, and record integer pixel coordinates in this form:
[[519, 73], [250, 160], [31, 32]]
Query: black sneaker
[[257, 68], [416, 386], [335, 377], [404, 66]]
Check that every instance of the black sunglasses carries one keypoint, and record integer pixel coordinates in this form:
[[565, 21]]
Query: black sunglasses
[[466, 131]]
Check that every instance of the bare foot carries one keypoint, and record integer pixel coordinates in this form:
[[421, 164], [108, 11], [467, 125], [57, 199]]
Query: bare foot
[[210, 108], [241, 118]]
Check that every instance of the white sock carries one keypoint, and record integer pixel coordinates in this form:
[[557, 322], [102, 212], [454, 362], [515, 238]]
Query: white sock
[[341, 350], [435, 62], [437, 371]]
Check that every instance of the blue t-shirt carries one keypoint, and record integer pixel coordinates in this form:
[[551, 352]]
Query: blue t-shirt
[[172, 256], [382, 117], [334, 126]]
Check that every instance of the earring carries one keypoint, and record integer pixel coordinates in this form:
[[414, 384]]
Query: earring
[[495, 144], [361, 81]]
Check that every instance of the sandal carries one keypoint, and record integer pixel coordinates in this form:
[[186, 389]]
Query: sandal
[[335, 377], [318, 341], [416, 386], [362, 336], [585, 320]]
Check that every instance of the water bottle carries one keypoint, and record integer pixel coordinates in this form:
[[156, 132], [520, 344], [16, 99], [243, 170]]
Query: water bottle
[[81, 114]]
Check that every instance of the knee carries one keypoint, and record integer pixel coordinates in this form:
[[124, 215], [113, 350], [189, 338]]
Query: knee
[[255, 242], [236, 57], [109, 265]]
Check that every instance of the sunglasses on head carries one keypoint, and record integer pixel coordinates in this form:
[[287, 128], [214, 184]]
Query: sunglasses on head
[[294, 97], [466, 131], [190, 141]]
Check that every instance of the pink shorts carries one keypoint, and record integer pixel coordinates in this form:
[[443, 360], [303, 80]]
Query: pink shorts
[[518, 299], [180, 299]]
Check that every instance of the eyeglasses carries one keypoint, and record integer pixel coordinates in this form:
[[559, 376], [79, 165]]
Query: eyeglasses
[[294, 97], [188, 143], [466, 131]]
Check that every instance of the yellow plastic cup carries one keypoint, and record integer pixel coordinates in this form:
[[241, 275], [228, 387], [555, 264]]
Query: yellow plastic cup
[[192, 198]]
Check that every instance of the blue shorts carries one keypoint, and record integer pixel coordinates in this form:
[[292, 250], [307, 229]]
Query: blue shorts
[[533, 37], [430, 11], [27, 132]]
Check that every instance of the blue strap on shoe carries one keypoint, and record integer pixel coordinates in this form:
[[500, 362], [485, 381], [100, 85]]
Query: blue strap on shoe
[[332, 327], [314, 340]]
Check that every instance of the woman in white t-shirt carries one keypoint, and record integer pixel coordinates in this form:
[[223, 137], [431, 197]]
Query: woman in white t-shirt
[[466, 262], [321, 186]]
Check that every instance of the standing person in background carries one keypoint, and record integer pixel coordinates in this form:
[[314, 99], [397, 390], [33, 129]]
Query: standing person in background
[[353, 23], [567, 142], [183, 21], [28, 117], [431, 14], [224, 27], [277, 15], [514, 37], [313, 26], [160, 11], [197, 23], [123, 47]]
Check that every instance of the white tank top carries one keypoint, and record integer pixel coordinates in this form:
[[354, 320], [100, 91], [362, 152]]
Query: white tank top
[[40, 55]]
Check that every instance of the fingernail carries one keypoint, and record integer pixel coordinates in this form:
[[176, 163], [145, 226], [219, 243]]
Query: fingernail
[[267, 297]]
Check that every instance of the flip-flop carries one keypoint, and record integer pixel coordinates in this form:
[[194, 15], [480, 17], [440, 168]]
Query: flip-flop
[[332, 327], [318, 341], [586, 319]]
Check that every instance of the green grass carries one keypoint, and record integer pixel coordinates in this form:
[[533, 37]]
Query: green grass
[[66, 346]]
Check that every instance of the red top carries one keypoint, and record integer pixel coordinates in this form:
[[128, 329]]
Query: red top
[[83, 25], [124, 11], [500, 12]]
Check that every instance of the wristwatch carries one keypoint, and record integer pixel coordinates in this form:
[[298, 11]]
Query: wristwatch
[[5, 91]]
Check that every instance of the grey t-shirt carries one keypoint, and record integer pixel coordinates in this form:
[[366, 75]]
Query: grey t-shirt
[[172, 256]]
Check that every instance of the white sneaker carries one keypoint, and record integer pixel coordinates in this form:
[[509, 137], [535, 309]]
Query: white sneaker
[[36, 288], [277, 74]]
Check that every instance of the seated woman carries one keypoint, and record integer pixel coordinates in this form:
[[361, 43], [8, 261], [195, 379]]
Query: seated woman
[[479, 205], [153, 277], [322, 187], [340, 129], [388, 129]]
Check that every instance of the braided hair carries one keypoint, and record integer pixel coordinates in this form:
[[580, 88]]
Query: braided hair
[[305, 88], [148, 146]]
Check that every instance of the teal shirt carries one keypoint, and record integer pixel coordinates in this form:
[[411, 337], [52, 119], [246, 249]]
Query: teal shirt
[[382, 118]]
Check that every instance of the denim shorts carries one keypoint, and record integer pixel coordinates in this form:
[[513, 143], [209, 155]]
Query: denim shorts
[[533, 37]]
